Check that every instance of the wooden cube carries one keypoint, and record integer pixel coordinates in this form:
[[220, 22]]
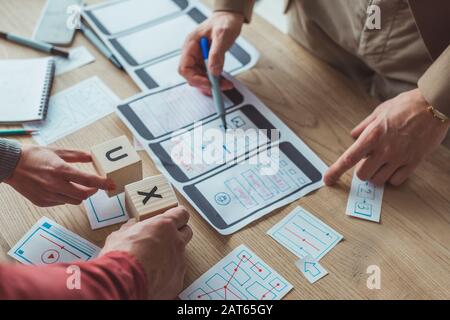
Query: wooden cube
[[149, 197], [119, 161]]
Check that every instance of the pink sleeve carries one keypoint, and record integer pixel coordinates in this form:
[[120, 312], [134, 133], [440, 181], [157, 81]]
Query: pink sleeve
[[116, 275]]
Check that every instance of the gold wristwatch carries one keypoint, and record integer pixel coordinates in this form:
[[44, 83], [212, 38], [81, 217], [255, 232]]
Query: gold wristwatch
[[438, 115]]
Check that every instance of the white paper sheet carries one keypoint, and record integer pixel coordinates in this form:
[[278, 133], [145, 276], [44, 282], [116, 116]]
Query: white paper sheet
[[73, 109], [166, 37], [124, 15], [165, 72], [305, 235], [238, 193], [241, 275], [156, 46], [364, 200], [173, 109], [103, 211], [23, 86], [78, 57], [48, 243]]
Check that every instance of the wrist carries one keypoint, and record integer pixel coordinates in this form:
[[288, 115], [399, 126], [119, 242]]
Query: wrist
[[244, 8], [10, 153], [235, 16], [134, 269], [438, 118], [437, 114]]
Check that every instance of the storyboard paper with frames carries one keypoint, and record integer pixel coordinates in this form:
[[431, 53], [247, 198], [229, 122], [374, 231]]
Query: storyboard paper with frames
[[148, 40], [233, 194]]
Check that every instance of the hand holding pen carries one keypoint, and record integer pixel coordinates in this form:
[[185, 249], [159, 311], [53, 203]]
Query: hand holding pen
[[215, 83]]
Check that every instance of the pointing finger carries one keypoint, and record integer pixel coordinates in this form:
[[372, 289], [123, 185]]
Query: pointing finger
[[73, 155], [74, 191], [88, 179], [369, 166], [358, 150], [356, 132]]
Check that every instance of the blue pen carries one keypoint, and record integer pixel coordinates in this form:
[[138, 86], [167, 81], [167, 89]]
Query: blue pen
[[215, 83]]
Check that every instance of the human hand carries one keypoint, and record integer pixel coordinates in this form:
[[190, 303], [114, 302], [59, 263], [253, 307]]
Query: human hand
[[392, 141], [159, 245], [44, 176], [222, 29]]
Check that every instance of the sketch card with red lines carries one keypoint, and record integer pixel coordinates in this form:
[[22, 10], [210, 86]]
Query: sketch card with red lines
[[303, 234], [241, 275], [47, 243]]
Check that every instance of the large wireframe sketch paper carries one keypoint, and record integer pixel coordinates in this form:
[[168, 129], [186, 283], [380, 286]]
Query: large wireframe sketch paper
[[229, 193], [148, 40]]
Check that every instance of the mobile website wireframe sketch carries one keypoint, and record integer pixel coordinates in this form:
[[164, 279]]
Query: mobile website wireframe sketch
[[233, 191], [132, 37]]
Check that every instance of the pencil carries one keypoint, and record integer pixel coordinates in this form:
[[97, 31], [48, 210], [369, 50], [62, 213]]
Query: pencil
[[17, 132]]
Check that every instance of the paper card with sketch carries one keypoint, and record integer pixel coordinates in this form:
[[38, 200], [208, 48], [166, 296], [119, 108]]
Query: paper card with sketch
[[48, 243], [252, 174]]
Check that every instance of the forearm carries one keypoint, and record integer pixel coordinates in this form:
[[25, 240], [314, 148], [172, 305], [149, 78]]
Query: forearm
[[9, 157], [244, 7], [435, 83], [116, 275]]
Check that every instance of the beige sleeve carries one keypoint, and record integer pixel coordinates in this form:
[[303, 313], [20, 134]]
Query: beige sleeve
[[435, 83], [241, 6]]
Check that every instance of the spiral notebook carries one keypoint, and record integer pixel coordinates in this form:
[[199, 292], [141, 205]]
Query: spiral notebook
[[25, 87]]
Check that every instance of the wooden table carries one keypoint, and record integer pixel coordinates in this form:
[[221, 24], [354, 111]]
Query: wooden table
[[411, 245]]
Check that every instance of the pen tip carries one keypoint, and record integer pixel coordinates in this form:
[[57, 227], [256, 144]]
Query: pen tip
[[60, 52]]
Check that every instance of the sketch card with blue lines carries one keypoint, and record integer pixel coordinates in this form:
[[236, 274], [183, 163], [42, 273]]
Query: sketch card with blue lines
[[103, 211], [47, 243], [364, 200], [303, 234], [241, 275]]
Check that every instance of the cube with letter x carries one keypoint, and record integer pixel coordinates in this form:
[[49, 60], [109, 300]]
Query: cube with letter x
[[149, 197]]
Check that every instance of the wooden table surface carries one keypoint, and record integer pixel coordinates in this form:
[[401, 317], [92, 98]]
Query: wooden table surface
[[411, 245]]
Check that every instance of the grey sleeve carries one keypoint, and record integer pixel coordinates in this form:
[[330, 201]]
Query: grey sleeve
[[10, 152]]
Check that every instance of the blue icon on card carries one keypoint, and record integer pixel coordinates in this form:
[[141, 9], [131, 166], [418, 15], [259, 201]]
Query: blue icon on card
[[237, 122], [222, 198]]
